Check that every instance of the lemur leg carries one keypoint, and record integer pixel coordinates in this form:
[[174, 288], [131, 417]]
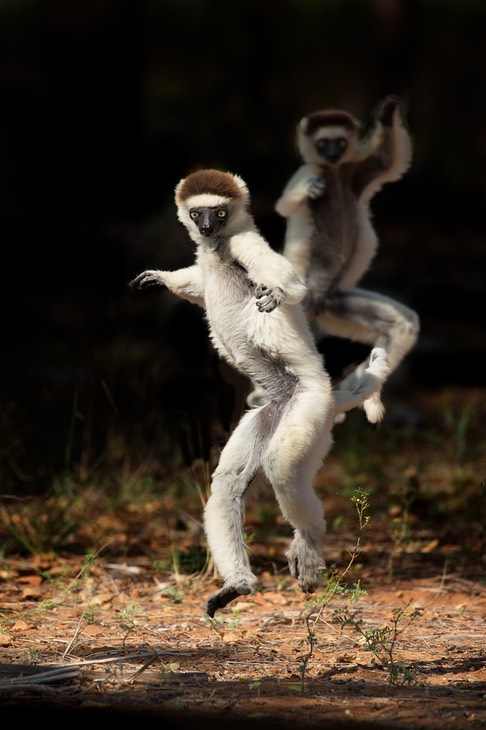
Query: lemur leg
[[294, 455], [373, 319], [224, 512], [372, 381]]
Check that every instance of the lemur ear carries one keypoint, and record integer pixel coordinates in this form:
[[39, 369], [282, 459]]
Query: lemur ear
[[242, 186]]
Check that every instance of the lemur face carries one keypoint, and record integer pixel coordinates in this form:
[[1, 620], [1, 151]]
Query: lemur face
[[209, 219], [327, 137], [331, 149]]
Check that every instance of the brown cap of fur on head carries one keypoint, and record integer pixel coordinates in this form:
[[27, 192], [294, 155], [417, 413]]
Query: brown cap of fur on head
[[211, 182], [328, 118]]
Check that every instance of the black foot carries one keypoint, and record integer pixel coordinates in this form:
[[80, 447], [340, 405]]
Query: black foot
[[221, 598]]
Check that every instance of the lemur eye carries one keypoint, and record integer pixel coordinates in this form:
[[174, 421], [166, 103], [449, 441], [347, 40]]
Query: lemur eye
[[342, 142], [221, 213], [194, 214]]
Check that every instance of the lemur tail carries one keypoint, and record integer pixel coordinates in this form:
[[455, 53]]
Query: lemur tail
[[367, 392]]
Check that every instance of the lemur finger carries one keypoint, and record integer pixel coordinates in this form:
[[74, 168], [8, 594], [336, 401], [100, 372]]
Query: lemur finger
[[316, 187], [268, 298], [268, 304], [144, 280], [262, 291]]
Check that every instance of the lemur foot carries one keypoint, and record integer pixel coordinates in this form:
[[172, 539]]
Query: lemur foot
[[307, 571], [380, 367], [374, 408], [379, 363], [225, 595]]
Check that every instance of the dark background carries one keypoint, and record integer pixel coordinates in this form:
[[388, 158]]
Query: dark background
[[106, 104]]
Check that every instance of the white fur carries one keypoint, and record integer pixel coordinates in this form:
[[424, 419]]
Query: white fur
[[288, 437], [371, 318]]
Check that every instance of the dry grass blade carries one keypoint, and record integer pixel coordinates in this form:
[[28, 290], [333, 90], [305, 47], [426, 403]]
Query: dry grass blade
[[27, 675]]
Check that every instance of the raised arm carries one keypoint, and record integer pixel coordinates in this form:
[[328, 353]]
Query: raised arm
[[385, 153]]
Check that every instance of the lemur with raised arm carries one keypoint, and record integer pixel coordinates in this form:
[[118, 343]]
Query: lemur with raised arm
[[330, 239], [252, 300]]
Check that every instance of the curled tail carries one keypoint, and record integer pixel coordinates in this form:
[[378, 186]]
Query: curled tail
[[367, 392]]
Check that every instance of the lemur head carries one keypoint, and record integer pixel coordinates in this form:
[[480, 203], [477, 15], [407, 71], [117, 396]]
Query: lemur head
[[210, 201], [327, 137]]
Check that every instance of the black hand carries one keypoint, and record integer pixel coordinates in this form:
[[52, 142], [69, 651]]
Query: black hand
[[144, 280], [387, 108]]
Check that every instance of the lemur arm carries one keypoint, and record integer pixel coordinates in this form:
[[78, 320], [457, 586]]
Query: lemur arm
[[304, 184], [270, 271], [384, 155], [186, 283]]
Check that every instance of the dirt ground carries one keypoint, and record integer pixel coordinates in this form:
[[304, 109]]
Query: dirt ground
[[120, 637]]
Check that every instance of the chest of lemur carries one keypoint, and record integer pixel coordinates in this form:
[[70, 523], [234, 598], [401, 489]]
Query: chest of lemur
[[336, 219], [228, 290]]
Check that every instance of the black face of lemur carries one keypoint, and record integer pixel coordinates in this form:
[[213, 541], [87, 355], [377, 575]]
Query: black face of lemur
[[209, 220], [331, 148]]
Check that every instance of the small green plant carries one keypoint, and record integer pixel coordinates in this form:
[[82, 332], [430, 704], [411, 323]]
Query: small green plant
[[221, 621], [399, 525], [305, 658], [86, 618], [128, 621], [334, 585], [175, 595], [361, 502], [382, 642], [334, 580], [169, 671]]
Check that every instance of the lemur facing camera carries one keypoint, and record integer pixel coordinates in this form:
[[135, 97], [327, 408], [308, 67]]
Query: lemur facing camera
[[251, 296], [330, 239]]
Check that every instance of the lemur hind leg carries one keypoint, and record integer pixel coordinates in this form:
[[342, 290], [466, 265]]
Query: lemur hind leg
[[294, 455], [224, 512], [374, 319]]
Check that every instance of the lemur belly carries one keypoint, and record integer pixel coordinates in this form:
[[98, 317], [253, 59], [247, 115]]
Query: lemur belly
[[228, 298], [334, 241]]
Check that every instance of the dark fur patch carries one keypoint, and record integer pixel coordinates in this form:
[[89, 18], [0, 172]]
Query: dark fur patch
[[210, 181], [329, 118]]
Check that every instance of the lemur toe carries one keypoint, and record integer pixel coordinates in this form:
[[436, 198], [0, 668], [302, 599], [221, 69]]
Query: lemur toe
[[225, 595]]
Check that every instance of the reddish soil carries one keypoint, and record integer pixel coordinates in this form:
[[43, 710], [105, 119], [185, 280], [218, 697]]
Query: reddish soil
[[122, 633], [122, 637]]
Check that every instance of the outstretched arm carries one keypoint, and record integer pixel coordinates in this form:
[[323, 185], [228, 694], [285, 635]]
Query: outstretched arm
[[186, 283]]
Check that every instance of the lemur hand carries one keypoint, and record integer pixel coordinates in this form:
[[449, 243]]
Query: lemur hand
[[386, 110], [315, 187], [268, 298], [145, 280]]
